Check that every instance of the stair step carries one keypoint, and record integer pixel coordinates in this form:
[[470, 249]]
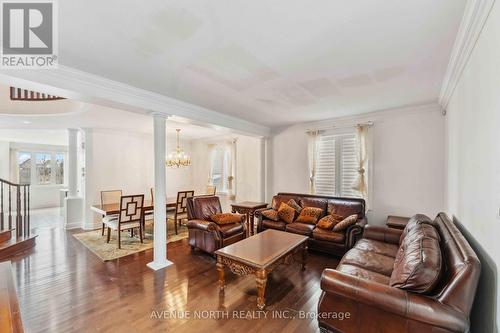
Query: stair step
[[5, 235], [15, 246]]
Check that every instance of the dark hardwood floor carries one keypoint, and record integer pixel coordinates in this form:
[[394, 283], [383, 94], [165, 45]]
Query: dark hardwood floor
[[63, 287]]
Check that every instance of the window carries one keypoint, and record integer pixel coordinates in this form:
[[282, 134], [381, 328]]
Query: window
[[220, 166], [336, 167], [43, 168], [24, 165], [48, 167]]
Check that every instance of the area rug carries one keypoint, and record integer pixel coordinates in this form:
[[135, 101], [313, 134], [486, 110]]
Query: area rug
[[96, 243]]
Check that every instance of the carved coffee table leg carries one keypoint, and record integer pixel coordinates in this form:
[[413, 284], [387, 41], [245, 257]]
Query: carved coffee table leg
[[220, 270], [261, 279], [304, 256]]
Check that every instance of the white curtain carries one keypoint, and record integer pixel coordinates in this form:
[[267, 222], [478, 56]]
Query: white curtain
[[211, 149], [360, 183], [313, 155]]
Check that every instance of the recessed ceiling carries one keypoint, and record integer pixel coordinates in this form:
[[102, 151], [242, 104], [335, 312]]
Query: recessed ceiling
[[273, 63]]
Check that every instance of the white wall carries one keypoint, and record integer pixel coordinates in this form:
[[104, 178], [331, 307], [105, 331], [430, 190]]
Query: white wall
[[408, 161], [473, 166], [124, 160]]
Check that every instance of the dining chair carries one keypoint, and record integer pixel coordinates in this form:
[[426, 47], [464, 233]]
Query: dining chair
[[149, 215], [109, 197], [180, 212], [211, 189], [130, 217]]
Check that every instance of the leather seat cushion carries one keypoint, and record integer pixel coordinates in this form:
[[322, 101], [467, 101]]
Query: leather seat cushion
[[418, 265], [328, 235], [371, 261], [363, 273], [300, 228], [229, 230], [386, 249], [270, 224]]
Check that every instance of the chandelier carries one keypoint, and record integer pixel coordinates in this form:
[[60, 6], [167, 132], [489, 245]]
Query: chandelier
[[178, 158]]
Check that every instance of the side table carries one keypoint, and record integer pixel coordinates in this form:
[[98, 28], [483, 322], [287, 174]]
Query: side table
[[397, 222], [248, 208]]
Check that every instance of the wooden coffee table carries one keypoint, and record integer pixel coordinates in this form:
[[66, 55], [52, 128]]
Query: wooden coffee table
[[259, 255]]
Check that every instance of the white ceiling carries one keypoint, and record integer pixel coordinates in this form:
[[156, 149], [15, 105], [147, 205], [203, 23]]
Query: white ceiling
[[274, 62]]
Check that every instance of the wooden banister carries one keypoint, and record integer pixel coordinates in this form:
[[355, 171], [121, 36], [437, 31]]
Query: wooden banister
[[21, 193]]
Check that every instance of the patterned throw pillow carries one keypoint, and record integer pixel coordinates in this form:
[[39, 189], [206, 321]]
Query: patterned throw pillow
[[292, 203], [271, 214], [329, 221], [286, 213], [309, 215], [226, 218], [345, 223]]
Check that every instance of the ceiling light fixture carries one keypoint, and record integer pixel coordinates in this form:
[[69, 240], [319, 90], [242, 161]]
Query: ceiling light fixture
[[178, 158]]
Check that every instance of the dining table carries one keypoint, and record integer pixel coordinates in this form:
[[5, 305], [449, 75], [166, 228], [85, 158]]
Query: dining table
[[114, 208]]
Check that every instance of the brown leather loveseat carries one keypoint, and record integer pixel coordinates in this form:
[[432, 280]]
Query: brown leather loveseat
[[327, 241], [421, 279], [205, 234]]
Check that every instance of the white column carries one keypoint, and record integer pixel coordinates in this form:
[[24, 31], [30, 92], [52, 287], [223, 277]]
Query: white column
[[160, 212], [86, 178], [72, 161], [263, 169], [73, 204]]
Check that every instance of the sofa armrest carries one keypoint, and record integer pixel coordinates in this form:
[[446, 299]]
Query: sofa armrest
[[393, 300], [383, 234], [354, 232], [203, 225], [258, 214]]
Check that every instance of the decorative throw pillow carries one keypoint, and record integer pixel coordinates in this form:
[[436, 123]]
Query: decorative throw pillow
[[345, 223], [226, 218], [329, 221], [292, 203], [286, 213], [271, 214], [309, 215]]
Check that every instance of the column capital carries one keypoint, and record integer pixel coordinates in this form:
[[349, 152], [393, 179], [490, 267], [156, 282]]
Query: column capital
[[156, 114]]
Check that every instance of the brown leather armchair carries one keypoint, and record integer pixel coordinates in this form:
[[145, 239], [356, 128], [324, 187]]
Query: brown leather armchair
[[361, 286], [205, 234]]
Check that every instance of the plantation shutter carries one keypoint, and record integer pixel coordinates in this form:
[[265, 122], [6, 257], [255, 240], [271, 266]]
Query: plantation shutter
[[336, 167]]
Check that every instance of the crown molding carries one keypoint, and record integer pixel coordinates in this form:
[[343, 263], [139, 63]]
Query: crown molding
[[475, 16], [79, 85]]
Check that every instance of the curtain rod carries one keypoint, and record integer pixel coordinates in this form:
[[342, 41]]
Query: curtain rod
[[368, 123]]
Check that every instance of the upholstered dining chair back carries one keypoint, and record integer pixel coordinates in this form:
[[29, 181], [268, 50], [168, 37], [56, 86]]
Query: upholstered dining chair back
[[211, 189], [131, 208], [182, 196], [110, 197]]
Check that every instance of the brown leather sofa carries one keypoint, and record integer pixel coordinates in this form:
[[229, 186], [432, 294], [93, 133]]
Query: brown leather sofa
[[361, 284], [205, 234], [336, 243]]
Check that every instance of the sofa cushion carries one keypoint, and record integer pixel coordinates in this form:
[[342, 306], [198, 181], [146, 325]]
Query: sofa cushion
[[419, 231], [315, 202], [229, 230], [300, 228], [278, 199], [271, 214], [369, 260], [270, 224], [286, 213], [363, 273], [309, 215], [414, 221], [329, 221], [417, 266], [386, 249], [294, 204], [328, 235], [226, 218], [346, 223], [345, 207]]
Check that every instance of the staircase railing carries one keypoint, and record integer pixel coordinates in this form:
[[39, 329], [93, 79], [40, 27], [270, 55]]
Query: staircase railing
[[17, 212]]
